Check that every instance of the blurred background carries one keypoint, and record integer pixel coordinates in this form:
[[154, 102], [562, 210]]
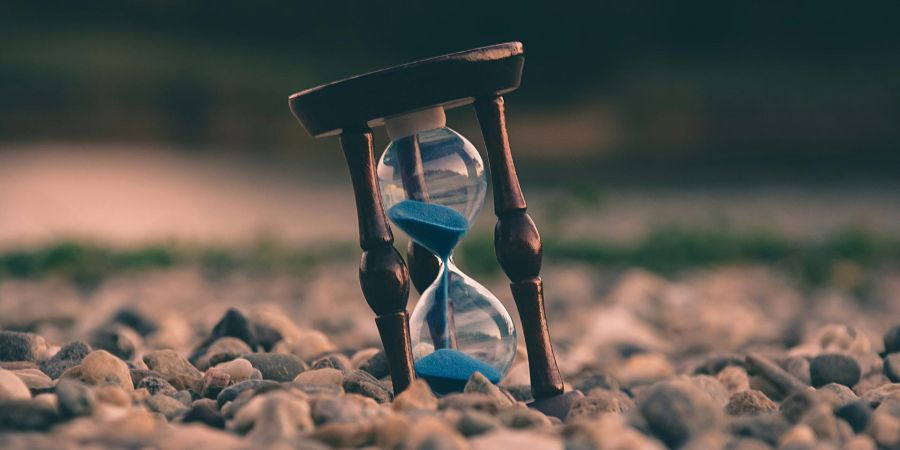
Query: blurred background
[[668, 136]]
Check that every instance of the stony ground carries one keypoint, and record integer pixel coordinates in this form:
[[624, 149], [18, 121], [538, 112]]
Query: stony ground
[[735, 357]]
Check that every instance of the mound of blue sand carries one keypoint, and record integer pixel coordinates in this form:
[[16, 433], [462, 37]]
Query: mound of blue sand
[[436, 227], [448, 370]]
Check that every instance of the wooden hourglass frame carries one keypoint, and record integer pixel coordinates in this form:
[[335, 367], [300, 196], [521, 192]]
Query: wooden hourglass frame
[[349, 108]]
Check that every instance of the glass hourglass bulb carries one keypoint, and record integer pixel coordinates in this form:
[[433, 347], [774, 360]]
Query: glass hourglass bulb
[[433, 185]]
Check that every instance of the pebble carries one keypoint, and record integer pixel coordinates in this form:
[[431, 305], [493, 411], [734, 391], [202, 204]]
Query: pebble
[[712, 387], [320, 377], [232, 324], [26, 415], [231, 392], [877, 395], [798, 366], [309, 344], [332, 361], [644, 369], [75, 398], [137, 321], [522, 417], [607, 432], [734, 379], [276, 366], [214, 382], [834, 368], [601, 380], [362, 356], [771, 372], [390, 432], [713, 364], [119, 340], [479, 384], [431, 433], [363, 383], [749, 402], [319, 389], [520, 392], [12, 387], [768, 428], [892, 340], [892, 367], [34, 379], [275, 416], [16, 346], [221, 350], [463, 402], [351, 408], [600, 401], [472, 423], [156, 385], [505, 438], [796, 405], [857, 414], [180, 373], [67, 357], [377, 365], [237, 370], [676, 410], [836, 395], [204, 411], [99, 368], [416, 397], [113, 395], [165, 405]]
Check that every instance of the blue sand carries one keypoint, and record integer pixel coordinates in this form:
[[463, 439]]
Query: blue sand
[[448, 370], [439, 229]]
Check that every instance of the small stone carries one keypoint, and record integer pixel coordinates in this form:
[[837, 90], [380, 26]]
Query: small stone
[[221, 350], [522, 417], [185, 397], [607, 432], [277, 366], [233, 324], [214, 381], [377, 365], [119, 340], [139, 374], [857, 414], [332, 361], [391, 431], [822, 421], [204, 411], [734, 379], [310, 344], [601, 380], [797, 366], [26, 415], [156, 385], [892, 340], [834, 368], [716, 363], [363, 383], [796, 405], [644, 369], [799, 436], [320, 376], [431, 433], [885, 430], [749, 402], [99, 368], [836, 395], [12, 387], [600, 401], [768, 428], [165, 405], [361, 356], [504, 438], [417, 396], [473, 423], [75, 398], [48, 399], [273, 416], [774, 374], [345, 435], [231, 392], [67, 357], [875, 396], [675, 411], [860, 442], [34, 379], [892, 367], [520, 392], [174, 368], [16, 346], [479, 384], [135, 320], [351, 408], [238, 370], [319, 389], [463, 402], [712, 387]]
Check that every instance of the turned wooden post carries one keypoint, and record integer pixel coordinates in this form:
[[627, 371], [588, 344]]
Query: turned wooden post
[[518, 247], [382, 274]]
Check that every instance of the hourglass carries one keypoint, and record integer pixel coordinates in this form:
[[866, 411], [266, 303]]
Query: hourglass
[[431, 183]]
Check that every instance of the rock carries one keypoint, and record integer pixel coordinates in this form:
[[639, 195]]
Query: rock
[[675, 411], [17, 365], [472, 423], [276, 366], [278, 415], [797, 366], [885, 430], [319, 389], [520, 392], [231, 392], [237, 370], [165, 405], [607, 432], [712, 387], [716, 363], [768, 428], [320, 376], [860, 442], [135, 320], [857, 414], [351, 408], [601, 380], [332, 361], [417, 396], [310, 344], [139, 374], [75, 398], [346, 435], [361, 356], [799, 436], [522, 417], [479, 384], [185, 397], [99, 368], [842, 338], [232, 324], [174, 368], [643, 369], [156, 385], [363, 383], [271, 326], [516, 439], [119, 340], [836, 395], [391, 431], [600, 401], [431, 433], [771, 372], [34, 379], [12, 387], [796, 405], [16, 346], [26, 415], [114, 395], [749, 402], [834, 368], [892, 340], [377, 365], [892, 367], [214, 382], [463, 402], [204, 411], [875, 396], [67, 357], [734, 379], [222, 350]]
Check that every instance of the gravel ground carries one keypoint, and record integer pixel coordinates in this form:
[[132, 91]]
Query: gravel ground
[[733, 357]]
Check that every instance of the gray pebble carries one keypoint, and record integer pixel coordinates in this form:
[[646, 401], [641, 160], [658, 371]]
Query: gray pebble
[[479, 384], [473, 423], [767, 428], [277, 366], [75, 398], [834, 368], [155, 385], [204, 411], [749, 402], [377, 365], [522, 417], [26, 415], [857, 414], [892, 367], [363, 383], [16, 346], [67, 357], [332, 361], [796, 405], [463, 402], [165, 405], [892, 340], [601, 380], [675, 411], [119, 340], [231, 392], [600, 401]]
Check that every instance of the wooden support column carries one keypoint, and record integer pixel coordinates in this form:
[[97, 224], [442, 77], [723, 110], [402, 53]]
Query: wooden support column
[[518, 247], [382, 273]]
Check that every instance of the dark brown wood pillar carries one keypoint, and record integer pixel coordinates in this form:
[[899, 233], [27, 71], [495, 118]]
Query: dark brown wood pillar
[[382, 273], [518, 247]]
